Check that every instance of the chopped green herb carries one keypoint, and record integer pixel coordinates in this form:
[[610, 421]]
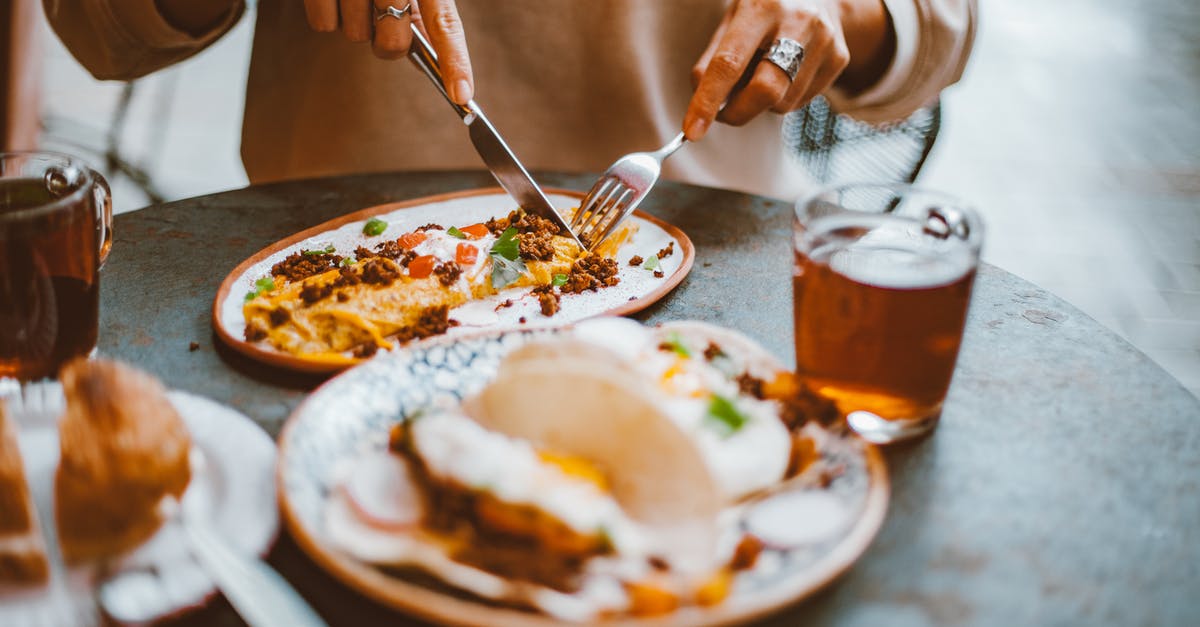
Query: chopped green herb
[[265, 284], [674, 344], [348, 260], [724, 416], [651, 263], [454, 232], [560, 280], [374, 226], [507, 245], [324, 251], [506, 271]]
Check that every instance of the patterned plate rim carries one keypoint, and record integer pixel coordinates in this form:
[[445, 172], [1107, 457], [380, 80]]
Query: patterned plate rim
[[431, 604]]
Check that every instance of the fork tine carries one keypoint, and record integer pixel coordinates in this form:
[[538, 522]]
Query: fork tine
[[611, 217], [610, 227], [589, 205], [602, 206]]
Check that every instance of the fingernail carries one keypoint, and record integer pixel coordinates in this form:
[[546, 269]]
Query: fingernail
[[462, 91], [696, 129]]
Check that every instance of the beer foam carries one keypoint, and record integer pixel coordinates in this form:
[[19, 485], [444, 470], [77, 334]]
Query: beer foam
[[900, 260]]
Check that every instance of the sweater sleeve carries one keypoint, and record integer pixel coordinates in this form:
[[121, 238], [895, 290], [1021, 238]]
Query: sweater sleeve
[[127, 39], [933, 40]]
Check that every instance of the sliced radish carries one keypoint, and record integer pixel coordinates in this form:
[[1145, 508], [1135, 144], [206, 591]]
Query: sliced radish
[[794, 519], [381, 491]]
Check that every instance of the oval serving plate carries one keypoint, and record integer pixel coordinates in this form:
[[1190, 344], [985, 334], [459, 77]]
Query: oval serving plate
[[160, 578], [638, 289], [351, 413]]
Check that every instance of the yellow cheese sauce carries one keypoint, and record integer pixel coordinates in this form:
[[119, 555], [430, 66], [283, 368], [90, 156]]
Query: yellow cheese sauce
[[339, 322]]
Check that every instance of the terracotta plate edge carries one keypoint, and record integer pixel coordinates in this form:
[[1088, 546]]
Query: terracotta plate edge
[[429, 604], [296, 364]]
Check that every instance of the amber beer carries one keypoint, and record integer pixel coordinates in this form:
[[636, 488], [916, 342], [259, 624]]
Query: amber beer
[[886, 350], [880, 301], [52, 240]]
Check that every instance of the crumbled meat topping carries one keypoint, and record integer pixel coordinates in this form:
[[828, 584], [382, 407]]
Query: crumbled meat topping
[[497, 225], [658, 274], [447, 273], [433, 321], [378, 272], [314, 292], [667, 252], [255, 333], [390, 249], [278, 316], [365, 349], [658, 563], [807, 405], [298, 266], [591, 272], [636, 260], [342, 297], [713, 351], [547, 298], [750, 384], [530, 223], [431, 227], [521, 320], [536, 246], [506, 303]]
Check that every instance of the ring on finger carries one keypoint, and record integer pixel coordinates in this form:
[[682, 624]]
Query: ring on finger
[[391, 11], [786, 54]]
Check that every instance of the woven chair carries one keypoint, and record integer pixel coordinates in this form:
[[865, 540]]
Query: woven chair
[[839, 149]]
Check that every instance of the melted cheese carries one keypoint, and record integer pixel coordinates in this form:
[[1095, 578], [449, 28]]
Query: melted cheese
[[362, 314]]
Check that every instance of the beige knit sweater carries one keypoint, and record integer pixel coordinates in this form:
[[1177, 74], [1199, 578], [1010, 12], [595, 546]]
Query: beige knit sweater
[[572, 84]]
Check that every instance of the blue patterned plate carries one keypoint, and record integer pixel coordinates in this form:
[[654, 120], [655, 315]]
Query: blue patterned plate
[[352, 413]]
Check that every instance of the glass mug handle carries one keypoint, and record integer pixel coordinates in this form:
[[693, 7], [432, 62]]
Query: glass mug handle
[[102, 198]]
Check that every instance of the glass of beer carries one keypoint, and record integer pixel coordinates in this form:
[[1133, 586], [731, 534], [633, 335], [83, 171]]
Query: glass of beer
[[881, 284], [55, 233]]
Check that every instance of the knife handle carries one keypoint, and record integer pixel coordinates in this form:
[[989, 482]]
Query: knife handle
[[423, 56]]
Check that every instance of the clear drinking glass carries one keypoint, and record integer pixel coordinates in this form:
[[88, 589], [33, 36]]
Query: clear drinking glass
[[882, 283], [55, 233]]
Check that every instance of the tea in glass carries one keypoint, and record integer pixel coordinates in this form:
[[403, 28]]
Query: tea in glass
[[55, 217]]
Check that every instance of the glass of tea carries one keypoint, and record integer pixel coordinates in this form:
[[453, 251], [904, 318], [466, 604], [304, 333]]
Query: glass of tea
[[55, 233], [881, 284]]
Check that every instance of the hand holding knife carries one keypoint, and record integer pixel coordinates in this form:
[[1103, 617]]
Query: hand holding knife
[[496, 154]]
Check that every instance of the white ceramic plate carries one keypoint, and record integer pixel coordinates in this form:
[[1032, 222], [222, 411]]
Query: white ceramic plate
[[638, 289], [235, 490], [352, 413]]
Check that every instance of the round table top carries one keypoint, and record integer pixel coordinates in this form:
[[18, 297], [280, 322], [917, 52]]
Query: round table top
[[1062, 486]]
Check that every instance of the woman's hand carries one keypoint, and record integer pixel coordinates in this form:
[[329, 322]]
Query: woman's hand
[[836, 35], [390, 37]]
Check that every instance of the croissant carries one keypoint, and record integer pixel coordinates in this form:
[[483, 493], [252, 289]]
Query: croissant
[[124, 453], [22, 549]]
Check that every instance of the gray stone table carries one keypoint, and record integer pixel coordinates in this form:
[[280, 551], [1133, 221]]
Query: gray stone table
[[1062, 487]]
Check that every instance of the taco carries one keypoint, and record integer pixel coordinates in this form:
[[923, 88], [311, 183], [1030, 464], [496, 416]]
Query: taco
[[735, 400], [590, 502]]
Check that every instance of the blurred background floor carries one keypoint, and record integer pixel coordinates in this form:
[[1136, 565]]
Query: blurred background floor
[[1075, 129]]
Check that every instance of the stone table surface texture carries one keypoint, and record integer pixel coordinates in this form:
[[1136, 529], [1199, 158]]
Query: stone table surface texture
[[1062, 486]]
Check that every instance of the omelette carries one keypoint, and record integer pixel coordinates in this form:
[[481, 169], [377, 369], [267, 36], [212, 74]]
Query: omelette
[[327, 305]]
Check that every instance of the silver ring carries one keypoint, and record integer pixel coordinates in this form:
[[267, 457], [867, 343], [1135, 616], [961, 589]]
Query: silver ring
[[786, 54], [392, 11]]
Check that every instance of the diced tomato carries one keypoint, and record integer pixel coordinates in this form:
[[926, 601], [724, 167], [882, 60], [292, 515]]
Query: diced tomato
[[410, 241], [475, 231], [422, 266], [466, 254]]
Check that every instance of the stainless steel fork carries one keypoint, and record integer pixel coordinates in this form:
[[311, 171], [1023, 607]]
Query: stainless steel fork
[[619, 191]]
